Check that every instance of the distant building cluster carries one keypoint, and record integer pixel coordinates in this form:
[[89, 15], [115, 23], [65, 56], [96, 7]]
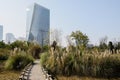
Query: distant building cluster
[[37, 26]]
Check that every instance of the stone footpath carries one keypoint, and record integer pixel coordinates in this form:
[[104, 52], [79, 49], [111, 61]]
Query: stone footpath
[[36, 72]]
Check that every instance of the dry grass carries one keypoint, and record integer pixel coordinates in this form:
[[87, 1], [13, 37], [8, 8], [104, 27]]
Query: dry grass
[[9, 75], [83, 63], [82, 78]]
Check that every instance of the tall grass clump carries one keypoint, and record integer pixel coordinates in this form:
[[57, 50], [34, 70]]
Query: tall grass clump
[[18, 61], [110, 66], [43, 58], [81, 63]]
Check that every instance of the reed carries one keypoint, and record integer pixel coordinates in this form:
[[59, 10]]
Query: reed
[[82, 63]]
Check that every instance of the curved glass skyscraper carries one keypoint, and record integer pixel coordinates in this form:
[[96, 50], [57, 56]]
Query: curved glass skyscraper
[[38, 24]]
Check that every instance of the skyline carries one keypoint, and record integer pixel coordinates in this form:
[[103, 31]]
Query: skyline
[[95, 18]]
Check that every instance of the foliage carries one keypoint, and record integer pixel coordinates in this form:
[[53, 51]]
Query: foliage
[[80, 38], [35, 50], [56, 36], [43, 57], [110, 45], [54, 44], [110, 67], [2, 63], [4, 54], [45, 48], [118, 45], [103, 43], [2, 44], [18, 61], [19, 44], [83, 78], [81, 63], [103, 47], [9, 75]]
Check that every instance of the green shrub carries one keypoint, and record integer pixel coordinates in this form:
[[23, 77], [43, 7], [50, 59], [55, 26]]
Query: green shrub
[[4, 54], [2, 44], [44, 58], [35, 51], [19, 44], [45, 48], [18, 61]]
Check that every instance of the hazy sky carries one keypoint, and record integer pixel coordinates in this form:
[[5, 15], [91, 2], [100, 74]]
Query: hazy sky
[[96, 18]]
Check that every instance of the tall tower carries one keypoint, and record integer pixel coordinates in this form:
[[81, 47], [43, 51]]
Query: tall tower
[[10, 38], [1, 32], [38, 24]]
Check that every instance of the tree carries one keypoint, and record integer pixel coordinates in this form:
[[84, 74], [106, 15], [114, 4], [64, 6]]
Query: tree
[[103, 43], [69, 41], [80, 38], [54, 44], [111, 47], [104, 40], [56, 36], [118, 45]]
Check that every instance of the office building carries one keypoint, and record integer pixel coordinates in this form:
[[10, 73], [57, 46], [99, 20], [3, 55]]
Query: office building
[[10, 38], [38, 24], [21, 39], [1, 32]]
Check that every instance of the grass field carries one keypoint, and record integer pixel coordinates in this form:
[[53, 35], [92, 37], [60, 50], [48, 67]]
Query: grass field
[[9, 75]]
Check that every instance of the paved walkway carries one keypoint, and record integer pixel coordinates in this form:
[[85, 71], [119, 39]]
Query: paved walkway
[[36, 72]]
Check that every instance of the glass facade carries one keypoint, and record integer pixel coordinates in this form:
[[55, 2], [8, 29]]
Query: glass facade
[[1, 32], [38, 24], [10, 38]]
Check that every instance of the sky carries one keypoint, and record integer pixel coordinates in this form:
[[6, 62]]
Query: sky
[[96, 18]]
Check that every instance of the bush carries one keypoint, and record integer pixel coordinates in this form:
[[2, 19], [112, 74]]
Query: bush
[[2, 44], [43, 58], [19, 44], [18, 61], [4, 54], [35, 51], [45, 48]]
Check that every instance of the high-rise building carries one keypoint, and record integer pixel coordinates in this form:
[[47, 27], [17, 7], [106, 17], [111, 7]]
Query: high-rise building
[[21, 39], [38, 24], [1, 32], [10, 38]]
